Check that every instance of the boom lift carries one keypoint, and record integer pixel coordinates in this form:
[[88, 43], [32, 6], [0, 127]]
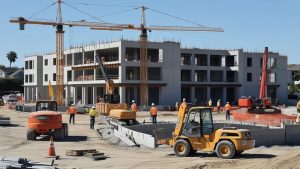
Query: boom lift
[[259, 105], [195, 131]]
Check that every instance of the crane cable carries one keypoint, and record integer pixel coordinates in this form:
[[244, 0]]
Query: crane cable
[[99, 4], [41, 11], [84, 12], [116, 13], [185, 20]]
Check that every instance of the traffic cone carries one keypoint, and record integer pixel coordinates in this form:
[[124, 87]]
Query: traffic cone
[[51, 149]]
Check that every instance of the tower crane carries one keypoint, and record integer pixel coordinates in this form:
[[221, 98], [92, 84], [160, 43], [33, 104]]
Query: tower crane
[[60, 41], [143, 45]]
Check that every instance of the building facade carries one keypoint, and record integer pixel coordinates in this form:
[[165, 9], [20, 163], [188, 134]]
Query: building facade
[[173, 73]]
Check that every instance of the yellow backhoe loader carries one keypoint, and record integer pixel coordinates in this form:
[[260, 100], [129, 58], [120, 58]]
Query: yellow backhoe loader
[[195, 131]]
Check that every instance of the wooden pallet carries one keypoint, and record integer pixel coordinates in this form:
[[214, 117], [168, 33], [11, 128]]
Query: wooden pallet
[[80, 152]]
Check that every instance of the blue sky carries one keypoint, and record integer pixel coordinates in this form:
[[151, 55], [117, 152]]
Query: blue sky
[[248, 24]]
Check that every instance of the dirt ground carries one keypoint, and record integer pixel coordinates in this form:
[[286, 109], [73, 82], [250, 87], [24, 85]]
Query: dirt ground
[[13, 143]]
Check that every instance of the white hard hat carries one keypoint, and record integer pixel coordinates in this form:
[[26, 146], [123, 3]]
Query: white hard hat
[[153, 104], [93, 107], [183, 99], [73, 104], [132, 101]]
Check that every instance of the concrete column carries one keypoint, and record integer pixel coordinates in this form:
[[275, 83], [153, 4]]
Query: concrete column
[[32, 94], [224, 100], [75, 94], [224, 76], [37, 95], [25, 93], [67, 95], [122, 94], [28, 94], [223, 63], [83, 96], [208, 93], [94, 95], [193, 94]]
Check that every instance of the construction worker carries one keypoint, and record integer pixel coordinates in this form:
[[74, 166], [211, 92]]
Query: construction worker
[[153, 113], [298, 114], [72, 111], [227, 108], [183, 103], [93, 113], [176, 106], [209, 103], [133, 107], [218, 105]]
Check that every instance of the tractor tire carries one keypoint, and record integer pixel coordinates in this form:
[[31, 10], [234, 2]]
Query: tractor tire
[[59, 134], [66, 129], [225, 149], [182, 148], [31, 135]]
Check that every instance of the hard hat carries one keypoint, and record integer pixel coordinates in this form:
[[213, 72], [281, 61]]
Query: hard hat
[[219, 100], [73, 104], [132, 101], [183, 99], [93, 107], [227, 102], [153, 104]]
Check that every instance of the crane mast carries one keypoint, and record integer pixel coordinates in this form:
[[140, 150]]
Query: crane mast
[[59, 56], [143, 60]]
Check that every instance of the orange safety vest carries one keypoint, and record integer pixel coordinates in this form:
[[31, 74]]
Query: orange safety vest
[[153, 111], [134, 107], [72, 110], [227, 107]]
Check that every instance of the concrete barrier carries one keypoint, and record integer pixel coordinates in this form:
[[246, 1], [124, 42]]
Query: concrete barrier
[[292, 134]]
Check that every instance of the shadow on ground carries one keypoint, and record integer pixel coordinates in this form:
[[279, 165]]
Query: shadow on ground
[[67, 139], [241, 156]]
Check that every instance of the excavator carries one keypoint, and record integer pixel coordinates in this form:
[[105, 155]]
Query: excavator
[[195, 131], [111, 105]]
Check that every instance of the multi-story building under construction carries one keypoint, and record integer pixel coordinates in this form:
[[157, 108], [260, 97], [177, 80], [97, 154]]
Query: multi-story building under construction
[[173, 73]]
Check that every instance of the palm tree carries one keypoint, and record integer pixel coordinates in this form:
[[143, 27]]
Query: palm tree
[[11, 56]]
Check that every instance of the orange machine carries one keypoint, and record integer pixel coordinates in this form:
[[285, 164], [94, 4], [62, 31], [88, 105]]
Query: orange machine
[[263, 101], [46, 121]]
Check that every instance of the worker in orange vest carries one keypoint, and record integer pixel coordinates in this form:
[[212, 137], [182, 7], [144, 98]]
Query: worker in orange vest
[[133, 107], [183, 103], [153, 113], [227, 108], [72, 111]]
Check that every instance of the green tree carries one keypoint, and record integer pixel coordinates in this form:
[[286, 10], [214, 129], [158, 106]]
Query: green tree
[[12, 57]]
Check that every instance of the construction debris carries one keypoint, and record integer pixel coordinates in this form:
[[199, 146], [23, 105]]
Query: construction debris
[[80, 152], [15, 162], [92, 153], [4, 121]]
